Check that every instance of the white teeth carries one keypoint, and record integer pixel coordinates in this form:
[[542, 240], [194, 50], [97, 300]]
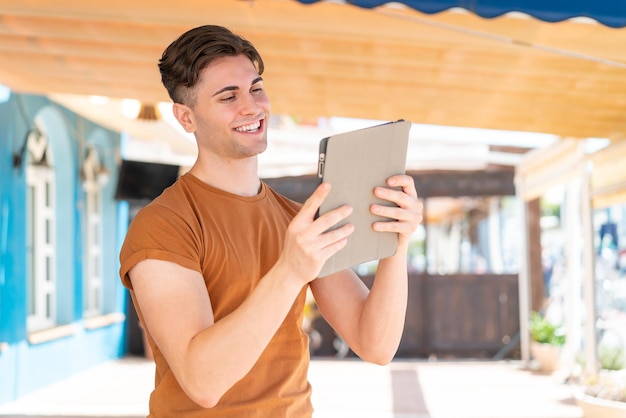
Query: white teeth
[[249, 128]]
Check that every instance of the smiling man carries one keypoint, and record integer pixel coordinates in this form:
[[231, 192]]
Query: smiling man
[[218, 266]]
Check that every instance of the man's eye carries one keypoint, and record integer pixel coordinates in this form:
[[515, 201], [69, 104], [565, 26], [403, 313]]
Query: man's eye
[[257, 90], [228, 99]]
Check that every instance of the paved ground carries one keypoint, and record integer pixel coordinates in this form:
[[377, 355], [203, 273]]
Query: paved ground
[[341, 389]]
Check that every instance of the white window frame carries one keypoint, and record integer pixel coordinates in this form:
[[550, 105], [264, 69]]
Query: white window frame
[[93, 282], [41, 237]]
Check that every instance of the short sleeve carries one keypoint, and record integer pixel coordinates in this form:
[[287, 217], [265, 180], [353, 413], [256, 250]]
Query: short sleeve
[[159, 233]]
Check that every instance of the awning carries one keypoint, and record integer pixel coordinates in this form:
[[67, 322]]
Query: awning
[[608, 12], [327, 59]]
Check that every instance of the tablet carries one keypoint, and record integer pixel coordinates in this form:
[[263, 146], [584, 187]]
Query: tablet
[[354, 163]]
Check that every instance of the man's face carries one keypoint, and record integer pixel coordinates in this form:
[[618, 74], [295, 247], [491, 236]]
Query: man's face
[[229, 118]]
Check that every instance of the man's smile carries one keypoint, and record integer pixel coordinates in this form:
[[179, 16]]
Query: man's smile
[[252, 127]]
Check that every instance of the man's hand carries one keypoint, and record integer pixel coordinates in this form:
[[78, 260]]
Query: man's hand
[[408, 211], [309, 243]]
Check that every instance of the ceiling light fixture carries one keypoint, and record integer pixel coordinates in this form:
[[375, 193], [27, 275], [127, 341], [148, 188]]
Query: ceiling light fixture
[[148, 112]]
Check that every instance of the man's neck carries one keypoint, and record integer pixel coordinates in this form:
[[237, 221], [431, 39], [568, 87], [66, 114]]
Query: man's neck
[[237, 177]]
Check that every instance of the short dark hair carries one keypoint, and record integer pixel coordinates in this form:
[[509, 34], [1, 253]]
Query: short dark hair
[[187, 56]]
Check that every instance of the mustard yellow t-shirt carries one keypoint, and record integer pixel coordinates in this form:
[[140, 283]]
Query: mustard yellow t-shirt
[[232, 241]]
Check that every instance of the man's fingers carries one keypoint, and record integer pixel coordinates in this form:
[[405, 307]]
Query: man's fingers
[[313, 203]]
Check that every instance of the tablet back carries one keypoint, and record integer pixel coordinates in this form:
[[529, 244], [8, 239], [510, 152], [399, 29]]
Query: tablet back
[[354, 163]]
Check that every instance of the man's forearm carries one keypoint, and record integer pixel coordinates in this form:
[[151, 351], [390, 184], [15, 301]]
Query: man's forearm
[[384, 312], [226, 351]]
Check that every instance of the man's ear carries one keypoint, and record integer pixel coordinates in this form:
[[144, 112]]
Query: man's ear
[[184, 116]]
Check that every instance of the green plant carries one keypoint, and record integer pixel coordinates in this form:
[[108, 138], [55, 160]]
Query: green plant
[[612, 357], [545, 332]]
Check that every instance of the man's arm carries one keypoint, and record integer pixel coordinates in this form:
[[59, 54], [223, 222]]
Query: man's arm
[[208, 357], [371, 322]]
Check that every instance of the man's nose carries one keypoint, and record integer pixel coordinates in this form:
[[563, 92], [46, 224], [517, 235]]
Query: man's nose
[[250, 106]]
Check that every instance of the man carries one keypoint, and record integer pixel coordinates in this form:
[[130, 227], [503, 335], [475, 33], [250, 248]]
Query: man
[[218, 266]]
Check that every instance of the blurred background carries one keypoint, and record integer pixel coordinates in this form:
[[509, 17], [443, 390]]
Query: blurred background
[[517, 150]]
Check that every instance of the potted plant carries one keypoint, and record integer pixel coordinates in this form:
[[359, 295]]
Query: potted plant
[[604, 394], [547, 339]]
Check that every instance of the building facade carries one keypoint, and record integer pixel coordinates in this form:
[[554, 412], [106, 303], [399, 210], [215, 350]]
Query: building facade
[[62, 306]]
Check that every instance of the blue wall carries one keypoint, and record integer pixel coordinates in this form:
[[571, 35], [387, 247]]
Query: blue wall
[[25, 367]]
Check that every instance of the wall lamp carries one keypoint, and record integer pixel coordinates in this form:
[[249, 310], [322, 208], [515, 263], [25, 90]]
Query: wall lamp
[[94, 170], [36, 143]]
